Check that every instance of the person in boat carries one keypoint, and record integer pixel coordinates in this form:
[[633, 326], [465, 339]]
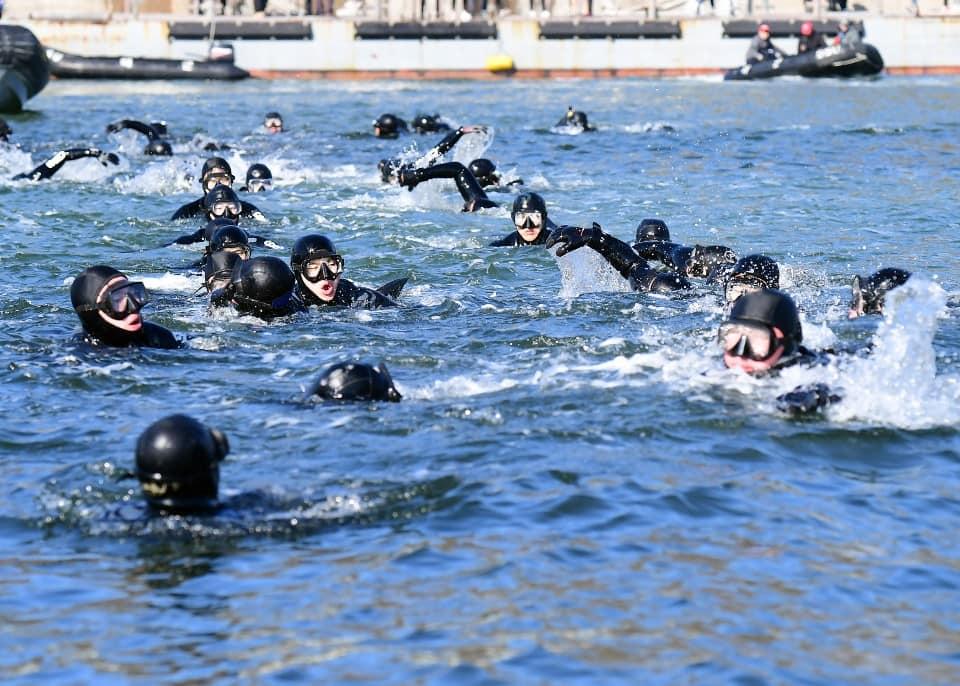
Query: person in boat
[[109, 304], [51, 166], [619, 255], [849, 35], [575, 120], [261, 286], [762, 48], [156, 145], [354, 381], [810, 39], [273, 122], [869, 292], [489, 178], [390, 168], [215, 171], [533, 226], [259, 179], [178, 465], [426, 123], [388, 126], [318, 269]]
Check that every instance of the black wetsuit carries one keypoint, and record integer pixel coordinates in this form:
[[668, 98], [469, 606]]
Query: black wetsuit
[[620, 256], [349, 294], [474, 197], [149, 336], [196, 208], [390, 169], [707, 261], [53, 165]]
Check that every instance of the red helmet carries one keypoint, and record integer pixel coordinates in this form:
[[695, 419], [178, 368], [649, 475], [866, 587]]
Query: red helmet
[[806, 28]]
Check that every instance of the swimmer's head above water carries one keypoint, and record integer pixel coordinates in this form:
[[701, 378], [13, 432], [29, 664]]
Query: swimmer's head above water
[[318, 266], [529, 215], [388, 126], [355, 381], [762, 332], [108, 304], [869, 292], [178, 464]]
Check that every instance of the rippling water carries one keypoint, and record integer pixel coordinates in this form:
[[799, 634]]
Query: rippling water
[[573, 489]]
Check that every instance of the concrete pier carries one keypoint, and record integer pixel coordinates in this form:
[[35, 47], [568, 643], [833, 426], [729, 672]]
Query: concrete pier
[[327, 47]]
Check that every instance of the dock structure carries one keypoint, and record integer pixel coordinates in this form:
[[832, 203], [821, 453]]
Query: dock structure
[[484, 38]]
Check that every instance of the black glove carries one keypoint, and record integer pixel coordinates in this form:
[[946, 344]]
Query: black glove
[[570, 238], [804, 400]]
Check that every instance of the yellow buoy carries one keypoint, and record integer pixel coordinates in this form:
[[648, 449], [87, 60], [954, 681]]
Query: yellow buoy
[[499, 63]]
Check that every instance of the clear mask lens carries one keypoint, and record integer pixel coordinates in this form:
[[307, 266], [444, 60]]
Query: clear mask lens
[[257, 185], [752, 341], [322, 268], [273, 123], [223, 209], [528, 220], [219, 279], [126, 299], [217, 177]]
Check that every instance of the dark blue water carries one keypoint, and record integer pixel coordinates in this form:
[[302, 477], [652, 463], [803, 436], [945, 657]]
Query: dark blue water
[[573, 490]]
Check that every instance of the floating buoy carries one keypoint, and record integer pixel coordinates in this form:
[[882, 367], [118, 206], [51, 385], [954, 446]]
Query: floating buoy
[[500, 64]]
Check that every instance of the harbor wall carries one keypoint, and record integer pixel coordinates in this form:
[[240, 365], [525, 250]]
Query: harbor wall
[[331, 48]]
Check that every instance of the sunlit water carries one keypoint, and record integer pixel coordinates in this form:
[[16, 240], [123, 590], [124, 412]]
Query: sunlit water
[[573, 490]]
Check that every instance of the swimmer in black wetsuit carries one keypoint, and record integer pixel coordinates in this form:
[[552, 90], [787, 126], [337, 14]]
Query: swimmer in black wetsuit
[[319, 272], [426, 123], [388, 126], [218, 269], [109, 305], [215, 170], [5, 131], [261, 286], [154, 132], [354, 381], [750, 273], [474, 197], [259, 179], [869, 293], [529, 215], [273, 122], [178, 465], [763, 334], [712, 262], [53, 165], [390, 168], [487, 176], [575, 120], [620, 256]]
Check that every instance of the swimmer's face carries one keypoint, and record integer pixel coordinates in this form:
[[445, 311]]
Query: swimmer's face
[[215, 176], [321, 275], [119, 303], [529, 225], [749, 348]]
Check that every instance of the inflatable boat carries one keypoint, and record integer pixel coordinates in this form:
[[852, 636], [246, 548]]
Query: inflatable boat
[[66, 66], [836, 60], [23, 67]]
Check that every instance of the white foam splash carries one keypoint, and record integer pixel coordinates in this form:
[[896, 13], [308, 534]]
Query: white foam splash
[[898, 384], [585, 271]]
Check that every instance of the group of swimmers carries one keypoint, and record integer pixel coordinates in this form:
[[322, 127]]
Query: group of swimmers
[[178, 457]]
